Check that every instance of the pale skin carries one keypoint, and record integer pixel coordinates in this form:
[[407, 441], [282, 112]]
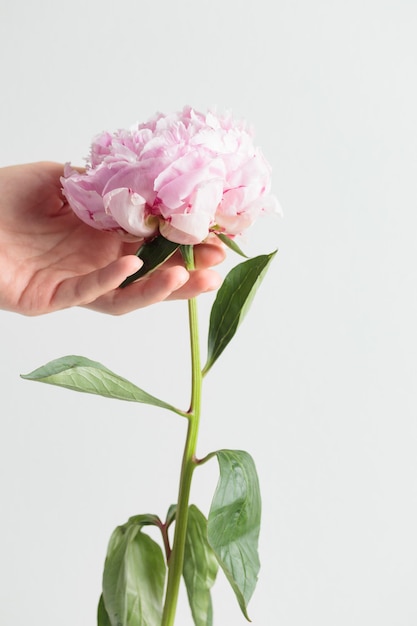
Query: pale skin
[[50, 260]]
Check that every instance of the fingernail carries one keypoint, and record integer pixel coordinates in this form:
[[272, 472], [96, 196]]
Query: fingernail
[[182, 281]]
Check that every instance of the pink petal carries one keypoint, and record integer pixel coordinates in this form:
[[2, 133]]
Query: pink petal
[[129, 210], [188, 229], [87, 204]]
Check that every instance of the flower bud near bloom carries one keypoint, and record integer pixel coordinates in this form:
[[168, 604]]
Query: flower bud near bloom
[[182, 175]]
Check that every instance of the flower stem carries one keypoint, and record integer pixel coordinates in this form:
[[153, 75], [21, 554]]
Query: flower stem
[[176, 559]]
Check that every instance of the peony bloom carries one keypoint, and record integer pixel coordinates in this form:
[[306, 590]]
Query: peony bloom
[[182, 175]]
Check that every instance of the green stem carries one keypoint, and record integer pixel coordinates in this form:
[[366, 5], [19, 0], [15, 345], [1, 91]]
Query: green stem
[[176, 560]]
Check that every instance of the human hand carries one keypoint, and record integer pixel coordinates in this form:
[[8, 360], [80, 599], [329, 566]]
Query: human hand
[[50, 260]]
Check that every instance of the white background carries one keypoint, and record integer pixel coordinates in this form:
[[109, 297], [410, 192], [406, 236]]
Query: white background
[[319, 383]]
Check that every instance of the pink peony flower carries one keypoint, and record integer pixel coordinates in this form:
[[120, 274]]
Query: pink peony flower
[[182, 175]]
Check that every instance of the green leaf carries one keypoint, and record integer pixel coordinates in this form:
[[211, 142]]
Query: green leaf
[[234, 523], [103, 618], [171, 513], [231, 243], [153, 253], [232, 303], [81, 374], [200, 568], [134, 576]]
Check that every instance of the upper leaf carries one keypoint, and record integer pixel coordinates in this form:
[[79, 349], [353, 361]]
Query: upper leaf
[[81, 374], [153, 253], [232, 303], [200, 568], [231, 243], [134, 576], [234, 522]]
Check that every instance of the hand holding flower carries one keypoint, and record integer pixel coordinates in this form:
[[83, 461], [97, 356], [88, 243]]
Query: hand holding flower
[[51, 260]]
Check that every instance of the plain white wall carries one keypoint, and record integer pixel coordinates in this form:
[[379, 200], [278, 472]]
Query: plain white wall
[[319, 384]]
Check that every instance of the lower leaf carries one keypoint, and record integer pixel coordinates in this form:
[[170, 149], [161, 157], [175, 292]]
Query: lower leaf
[[200, 568], [234, 523], [103, 618], [134, 577]]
